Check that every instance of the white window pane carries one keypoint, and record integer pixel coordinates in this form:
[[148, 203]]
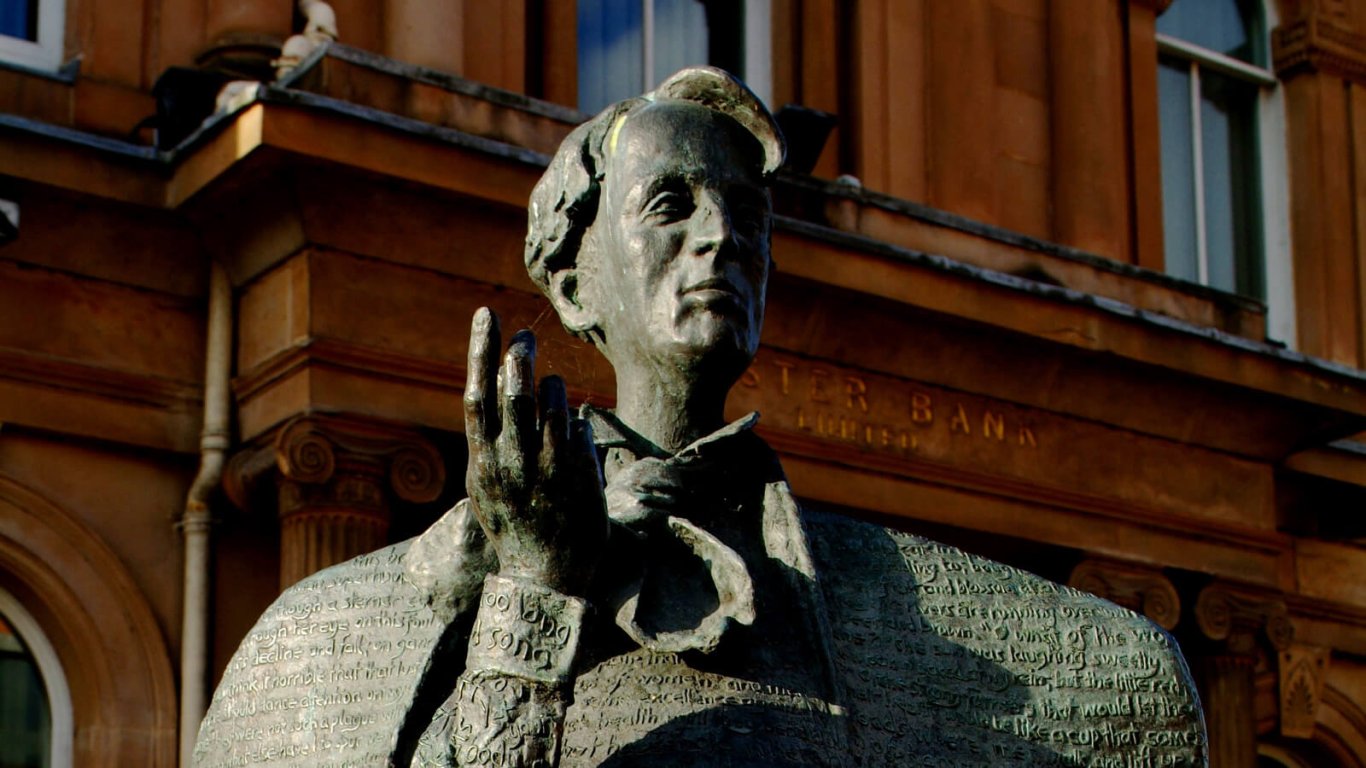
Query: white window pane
[[680, 36], [1232, 184], [1178, 169], [19, 18], [758, 49], [611, 64], [1225, 26]]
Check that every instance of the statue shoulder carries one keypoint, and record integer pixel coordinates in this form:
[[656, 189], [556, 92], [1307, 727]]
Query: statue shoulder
[[334, 666], [993, 663]]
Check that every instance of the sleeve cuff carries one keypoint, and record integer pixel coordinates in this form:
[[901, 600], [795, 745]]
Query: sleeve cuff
[[525, 630]]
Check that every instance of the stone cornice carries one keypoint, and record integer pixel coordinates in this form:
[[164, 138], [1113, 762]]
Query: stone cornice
[[1317, 43]]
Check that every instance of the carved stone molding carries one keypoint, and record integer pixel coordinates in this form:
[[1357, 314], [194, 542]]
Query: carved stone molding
[[1301, 671], [1142, 590], [333, 481], [1236, 619], [311, 449], [1319, 42]]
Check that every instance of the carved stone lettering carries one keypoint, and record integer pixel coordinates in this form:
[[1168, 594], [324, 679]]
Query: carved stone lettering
[[328, 673], [954, 654], [850, 411]]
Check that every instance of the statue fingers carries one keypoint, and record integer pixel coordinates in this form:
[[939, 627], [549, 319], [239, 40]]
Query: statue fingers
[[480, 401], [582, 459], [554, 405], [519, 441]]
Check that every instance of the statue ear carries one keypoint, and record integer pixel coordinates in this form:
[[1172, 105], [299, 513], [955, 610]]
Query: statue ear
[[564, 294]]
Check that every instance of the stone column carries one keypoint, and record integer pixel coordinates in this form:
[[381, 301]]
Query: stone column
[[1239, 629], [1141, 590], [336, 481]]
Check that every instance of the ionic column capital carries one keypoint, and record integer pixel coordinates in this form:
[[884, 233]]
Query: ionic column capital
[[333, 481], [1140, 589], [1237, 618]]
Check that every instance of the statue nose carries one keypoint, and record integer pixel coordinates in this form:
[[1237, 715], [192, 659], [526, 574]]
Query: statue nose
[[711, 225]]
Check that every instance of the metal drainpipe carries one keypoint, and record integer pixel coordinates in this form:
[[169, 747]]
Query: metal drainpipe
[[197, 520]]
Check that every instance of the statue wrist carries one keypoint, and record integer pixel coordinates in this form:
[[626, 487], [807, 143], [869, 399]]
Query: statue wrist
[[526, 629]]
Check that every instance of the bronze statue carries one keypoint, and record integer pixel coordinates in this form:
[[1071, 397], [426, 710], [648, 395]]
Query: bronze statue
[[639, 587]]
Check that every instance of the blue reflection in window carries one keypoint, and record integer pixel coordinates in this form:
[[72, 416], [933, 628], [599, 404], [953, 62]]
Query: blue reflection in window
[[1178, 169], [612, 38], [1228, 127], [611, 62], [1223, 26], [19, 18]]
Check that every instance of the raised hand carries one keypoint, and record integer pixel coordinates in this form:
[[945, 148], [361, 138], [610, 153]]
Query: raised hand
[[533, 475]]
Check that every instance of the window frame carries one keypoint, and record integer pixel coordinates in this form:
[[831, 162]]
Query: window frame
[[54, 678], [1273, 171], [757, 42], [44, 54]]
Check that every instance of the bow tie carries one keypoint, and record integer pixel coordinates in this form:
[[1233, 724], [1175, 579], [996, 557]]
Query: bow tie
[[662, 602]]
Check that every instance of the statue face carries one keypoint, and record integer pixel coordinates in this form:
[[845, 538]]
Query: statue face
[[680, 244]]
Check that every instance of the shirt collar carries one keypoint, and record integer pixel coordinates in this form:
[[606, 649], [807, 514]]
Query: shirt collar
[[610, 432]]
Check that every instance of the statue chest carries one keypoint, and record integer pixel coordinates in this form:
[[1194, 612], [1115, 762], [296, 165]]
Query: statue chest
[[645, 708]]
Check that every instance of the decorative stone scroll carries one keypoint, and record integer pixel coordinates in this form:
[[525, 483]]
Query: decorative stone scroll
[[335, 479], [1238, 618], [1142, 590]]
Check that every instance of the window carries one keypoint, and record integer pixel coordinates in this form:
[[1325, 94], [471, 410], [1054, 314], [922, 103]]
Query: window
[[31, 33], [1222, 181], [628, 46], [35, 704]]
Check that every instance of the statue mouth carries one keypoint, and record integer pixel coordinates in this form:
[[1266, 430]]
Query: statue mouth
[[715, 290]]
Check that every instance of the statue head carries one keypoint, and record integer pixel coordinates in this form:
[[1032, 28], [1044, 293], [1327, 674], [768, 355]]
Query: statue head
[[649, 232]]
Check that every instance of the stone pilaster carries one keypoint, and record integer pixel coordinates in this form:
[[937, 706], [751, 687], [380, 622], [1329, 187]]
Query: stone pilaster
[[1241, 630], [1141, 590], [336, 481]]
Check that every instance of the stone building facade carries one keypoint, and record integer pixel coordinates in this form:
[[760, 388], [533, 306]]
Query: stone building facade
[[1079, 285]]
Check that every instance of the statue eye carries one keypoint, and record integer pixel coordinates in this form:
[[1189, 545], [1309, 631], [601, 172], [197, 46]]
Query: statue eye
[[669, 206], [749, 214]]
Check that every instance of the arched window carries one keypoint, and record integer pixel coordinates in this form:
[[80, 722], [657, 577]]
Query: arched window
[[1223, 177], [31, 33], [35, 704], [627, 47]]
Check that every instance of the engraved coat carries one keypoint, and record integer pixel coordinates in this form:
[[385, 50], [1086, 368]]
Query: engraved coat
[[906, 652]]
